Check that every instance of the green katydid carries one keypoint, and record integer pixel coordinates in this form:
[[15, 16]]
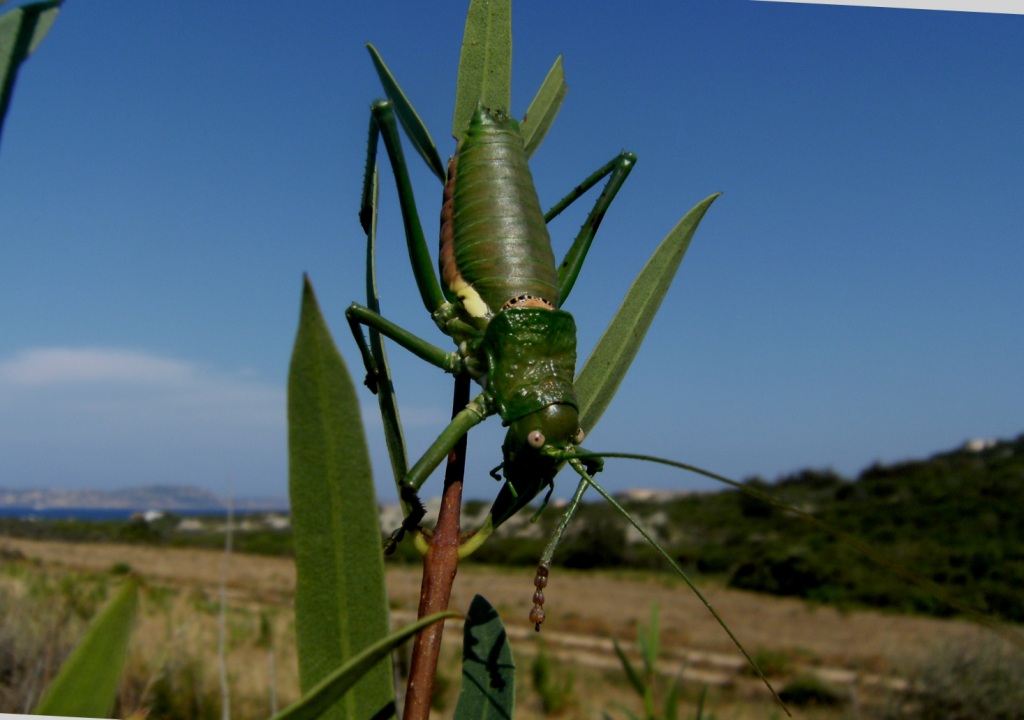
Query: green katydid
[[500, 298], [500, 293]]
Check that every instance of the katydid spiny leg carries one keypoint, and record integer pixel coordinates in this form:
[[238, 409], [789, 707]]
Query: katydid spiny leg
[[473, 414], [358, 315], [618, 169], [382, 123], [419, 256]]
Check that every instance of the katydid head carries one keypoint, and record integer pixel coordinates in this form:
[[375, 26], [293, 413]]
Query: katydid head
[[532, 440]]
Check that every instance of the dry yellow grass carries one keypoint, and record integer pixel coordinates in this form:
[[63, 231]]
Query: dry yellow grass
[[584, 609]]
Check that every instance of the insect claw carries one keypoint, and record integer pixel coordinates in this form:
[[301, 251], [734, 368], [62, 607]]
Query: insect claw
[[365, 216], [593, 465], [411, 523], [392, 542]]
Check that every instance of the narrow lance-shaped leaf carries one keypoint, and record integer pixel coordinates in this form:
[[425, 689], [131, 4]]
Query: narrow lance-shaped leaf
[[671, 711], [485, 65], [86, 685], [407, 115], [544, 108], [602, 374], [631, 674], [334, 686], [340, 601], [488, 672], [21, 31], [649, 639]]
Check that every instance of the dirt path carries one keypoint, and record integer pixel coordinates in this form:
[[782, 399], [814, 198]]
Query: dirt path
[[584, 610]]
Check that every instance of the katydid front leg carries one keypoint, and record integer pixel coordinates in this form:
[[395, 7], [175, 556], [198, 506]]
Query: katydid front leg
[[358, 315], [473, 414]]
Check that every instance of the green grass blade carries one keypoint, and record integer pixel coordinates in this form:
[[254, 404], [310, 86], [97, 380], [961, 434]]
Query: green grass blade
[[321, 697], [631, 674], [488, 672], [21, 31], [700, 704], [340, 602], [407, 115], [671, 706], [86, 685], [600, 377], [625, 711], [650, 640], [485, 65], [544, 108]]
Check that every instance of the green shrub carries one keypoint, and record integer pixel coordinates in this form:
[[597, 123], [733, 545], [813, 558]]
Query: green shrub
[[967, 682], [120, 568], [180, 693], [773, 663], [808, 690]]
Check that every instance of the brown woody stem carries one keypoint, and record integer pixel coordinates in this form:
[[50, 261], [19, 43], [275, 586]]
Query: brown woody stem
[[439, 567]]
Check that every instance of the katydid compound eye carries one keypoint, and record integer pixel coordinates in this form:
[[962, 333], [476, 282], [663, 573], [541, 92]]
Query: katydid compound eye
[[536, 439], [579, 436]]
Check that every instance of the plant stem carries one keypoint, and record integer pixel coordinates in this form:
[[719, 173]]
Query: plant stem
[[439, 567], [222, 627]]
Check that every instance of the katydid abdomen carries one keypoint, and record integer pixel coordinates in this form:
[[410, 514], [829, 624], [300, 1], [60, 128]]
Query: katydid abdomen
[[495, 248]]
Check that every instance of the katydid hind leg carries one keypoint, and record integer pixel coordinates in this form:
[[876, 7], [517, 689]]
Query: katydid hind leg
[[427, 282], [616, 170], [382, 124], [378, 378], [387, 401]]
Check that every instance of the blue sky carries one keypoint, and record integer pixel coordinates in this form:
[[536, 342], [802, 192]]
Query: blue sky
[[169, 170]]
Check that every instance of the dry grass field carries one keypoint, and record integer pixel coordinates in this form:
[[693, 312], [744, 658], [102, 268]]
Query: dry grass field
[[862, 653]]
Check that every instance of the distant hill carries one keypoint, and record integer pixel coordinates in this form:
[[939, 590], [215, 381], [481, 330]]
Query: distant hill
[[150, 497], [955, 519]]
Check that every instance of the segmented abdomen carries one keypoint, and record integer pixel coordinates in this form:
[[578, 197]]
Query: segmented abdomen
[[495, 246]]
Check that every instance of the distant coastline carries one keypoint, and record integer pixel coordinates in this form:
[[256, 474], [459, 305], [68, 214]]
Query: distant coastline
[[52, 503], [90, 514]]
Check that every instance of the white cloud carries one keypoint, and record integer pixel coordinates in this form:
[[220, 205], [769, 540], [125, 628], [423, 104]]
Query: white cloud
[[112, 417], [53, 366], [102, 417]]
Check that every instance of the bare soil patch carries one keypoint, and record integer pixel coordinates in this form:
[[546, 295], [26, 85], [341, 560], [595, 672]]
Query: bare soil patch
[[591, 603], [584, 610]]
